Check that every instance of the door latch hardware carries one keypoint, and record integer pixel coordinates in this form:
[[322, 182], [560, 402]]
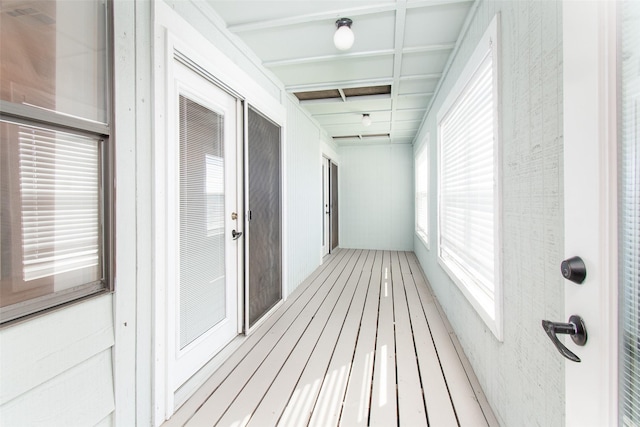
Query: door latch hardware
[[574, 269], [234, 216], [236, 234], [575, 328]]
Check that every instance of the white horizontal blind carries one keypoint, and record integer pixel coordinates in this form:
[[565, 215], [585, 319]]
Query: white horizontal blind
[[202, 198], [215, 194], [422, 193], [60, 205], [466, 183], [629, 216]]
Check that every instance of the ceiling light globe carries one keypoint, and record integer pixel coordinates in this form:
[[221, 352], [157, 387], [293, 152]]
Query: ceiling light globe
[[343, 38]]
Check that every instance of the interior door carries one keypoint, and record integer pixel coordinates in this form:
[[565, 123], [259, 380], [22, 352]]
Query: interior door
[[203, 259], [602, 208]]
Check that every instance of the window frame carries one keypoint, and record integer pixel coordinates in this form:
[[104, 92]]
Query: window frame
[[489, 310], [422, 161], [50, 120]]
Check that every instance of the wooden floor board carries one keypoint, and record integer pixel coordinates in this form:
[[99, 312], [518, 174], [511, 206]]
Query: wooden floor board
[[289, 331], [328, 405], [355, 408], [294, 304], [436, 394], [360, 342], [306, 365], [411, 407], [384, 411], [462, 395], [325, 368]]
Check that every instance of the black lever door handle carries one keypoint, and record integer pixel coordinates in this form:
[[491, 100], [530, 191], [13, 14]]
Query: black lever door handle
[[575, 328], [236, 234]]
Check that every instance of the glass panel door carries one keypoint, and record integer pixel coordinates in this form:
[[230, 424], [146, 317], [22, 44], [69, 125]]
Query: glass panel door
[[202, 254]]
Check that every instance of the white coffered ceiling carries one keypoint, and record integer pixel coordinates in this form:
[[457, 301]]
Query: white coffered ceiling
[[403, 43]]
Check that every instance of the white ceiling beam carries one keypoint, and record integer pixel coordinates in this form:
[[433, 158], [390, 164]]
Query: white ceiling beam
[[324, 58], [357, 55], [336, 14], [414, 95], [409, 77], [401, 17], [428, 48]]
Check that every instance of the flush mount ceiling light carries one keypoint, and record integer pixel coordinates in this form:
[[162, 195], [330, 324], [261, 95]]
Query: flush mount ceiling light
[[343, 37], [366, 120]]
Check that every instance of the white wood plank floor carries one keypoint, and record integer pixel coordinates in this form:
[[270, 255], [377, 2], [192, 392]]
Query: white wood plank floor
[[360, 342]]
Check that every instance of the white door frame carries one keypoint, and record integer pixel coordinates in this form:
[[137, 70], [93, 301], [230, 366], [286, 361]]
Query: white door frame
[[326, 217], [183, 363], [590, 194]]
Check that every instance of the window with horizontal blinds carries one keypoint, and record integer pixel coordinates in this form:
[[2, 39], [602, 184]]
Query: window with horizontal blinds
[[468, 193], [60, 206], [422, 193], [629, 215], [53, 223], [55, 155]]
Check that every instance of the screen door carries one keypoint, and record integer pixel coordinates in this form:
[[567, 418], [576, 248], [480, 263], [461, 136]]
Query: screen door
[[264, 232]]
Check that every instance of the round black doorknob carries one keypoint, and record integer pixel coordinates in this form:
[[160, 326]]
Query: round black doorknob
[[574, 269]]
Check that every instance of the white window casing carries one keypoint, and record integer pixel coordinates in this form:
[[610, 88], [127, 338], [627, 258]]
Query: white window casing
[[422, 192], [469, 196]]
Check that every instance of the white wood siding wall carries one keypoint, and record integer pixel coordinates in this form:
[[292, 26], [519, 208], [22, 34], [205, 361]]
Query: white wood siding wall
[[376, 197], [523, 378], [304, 193], [305, 145], [56, 369]]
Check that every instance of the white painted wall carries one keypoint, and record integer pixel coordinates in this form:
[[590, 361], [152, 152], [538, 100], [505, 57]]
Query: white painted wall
[[376, 197], [523, 377], [55, 369], [305, 147]]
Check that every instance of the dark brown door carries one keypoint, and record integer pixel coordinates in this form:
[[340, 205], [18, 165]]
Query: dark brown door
[[334, 206]]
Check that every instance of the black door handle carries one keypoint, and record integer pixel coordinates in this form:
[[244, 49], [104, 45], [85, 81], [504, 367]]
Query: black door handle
[[575, 328], [236, 234]]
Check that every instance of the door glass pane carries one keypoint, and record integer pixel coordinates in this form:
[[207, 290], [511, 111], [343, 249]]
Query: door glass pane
[[54, 56], [629, 208], [265, 266], [202, 256]]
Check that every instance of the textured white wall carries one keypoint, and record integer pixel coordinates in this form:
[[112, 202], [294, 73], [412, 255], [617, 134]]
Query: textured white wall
[[304, 194], [523, 377], [376, 197]]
